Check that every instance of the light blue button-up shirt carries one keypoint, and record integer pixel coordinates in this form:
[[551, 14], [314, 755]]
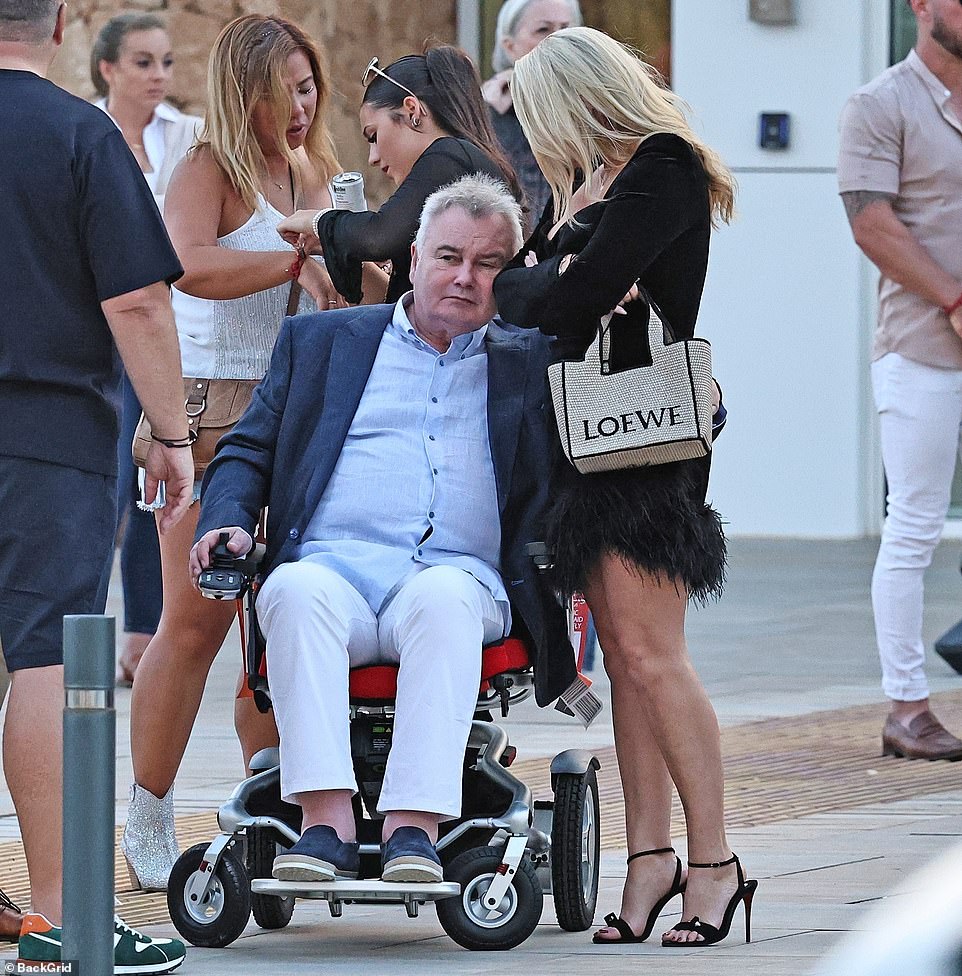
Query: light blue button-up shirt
[[414, 485]]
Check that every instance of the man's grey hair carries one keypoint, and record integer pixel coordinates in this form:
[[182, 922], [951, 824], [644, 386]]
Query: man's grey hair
[[479, 196], [28, 21]]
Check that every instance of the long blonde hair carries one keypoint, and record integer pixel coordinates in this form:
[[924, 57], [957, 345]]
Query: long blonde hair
[[246, 66], [583, 99]]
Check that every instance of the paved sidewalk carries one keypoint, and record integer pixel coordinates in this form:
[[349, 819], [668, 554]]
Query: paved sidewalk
[[826, 825]]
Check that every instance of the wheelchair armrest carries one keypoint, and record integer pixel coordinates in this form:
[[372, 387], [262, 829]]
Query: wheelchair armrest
[[543, 556], [250, 564]]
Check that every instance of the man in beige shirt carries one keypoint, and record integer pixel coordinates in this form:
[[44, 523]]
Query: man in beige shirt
[[900, 177]]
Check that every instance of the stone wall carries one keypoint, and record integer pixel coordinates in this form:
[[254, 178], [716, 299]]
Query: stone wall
[[349, 32]]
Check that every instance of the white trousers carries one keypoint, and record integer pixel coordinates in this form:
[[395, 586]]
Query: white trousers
[[920, 412], [318, 626]]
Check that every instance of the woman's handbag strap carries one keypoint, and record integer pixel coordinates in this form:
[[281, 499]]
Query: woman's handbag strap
[[195, 402]]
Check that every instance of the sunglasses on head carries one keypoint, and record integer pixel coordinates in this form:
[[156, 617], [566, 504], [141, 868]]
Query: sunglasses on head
[[372, 69]]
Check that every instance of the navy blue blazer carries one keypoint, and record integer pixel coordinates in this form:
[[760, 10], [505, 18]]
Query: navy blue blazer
[[298, 421]]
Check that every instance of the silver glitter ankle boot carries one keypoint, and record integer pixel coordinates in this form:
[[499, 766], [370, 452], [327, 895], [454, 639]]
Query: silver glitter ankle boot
[[149, 842]]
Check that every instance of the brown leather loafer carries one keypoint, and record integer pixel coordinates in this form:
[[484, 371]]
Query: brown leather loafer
[[10, 922], [925, 738]]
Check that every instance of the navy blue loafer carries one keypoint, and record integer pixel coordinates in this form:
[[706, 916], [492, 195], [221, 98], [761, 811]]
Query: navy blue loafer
[[409, 856], [320, 855]]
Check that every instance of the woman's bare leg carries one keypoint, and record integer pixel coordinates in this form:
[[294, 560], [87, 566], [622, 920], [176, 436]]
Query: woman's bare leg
[[664, 724], [171, 675], [647, 791], [255, 729]]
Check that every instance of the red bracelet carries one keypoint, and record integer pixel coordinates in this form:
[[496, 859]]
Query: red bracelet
[[294, 271], [949, 309]]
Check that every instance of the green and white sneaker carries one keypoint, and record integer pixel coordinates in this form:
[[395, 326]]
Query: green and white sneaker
[[39, 940], [134, 952]]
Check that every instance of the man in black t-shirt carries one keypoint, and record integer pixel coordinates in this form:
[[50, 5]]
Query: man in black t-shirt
[[85, 265]]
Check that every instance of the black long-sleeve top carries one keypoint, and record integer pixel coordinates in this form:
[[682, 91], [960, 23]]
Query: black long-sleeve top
[[387, 234], [652, 226]]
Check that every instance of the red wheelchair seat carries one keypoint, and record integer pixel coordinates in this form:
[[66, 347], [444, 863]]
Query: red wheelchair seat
[[379, 681]]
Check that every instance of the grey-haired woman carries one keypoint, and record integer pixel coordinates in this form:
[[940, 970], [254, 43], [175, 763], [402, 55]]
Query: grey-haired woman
[[522, 25]]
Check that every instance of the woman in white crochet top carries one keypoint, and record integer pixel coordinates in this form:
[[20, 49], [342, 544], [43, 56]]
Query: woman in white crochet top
[[264, 149]]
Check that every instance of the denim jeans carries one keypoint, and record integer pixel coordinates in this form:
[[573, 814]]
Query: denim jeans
[[140, 547]]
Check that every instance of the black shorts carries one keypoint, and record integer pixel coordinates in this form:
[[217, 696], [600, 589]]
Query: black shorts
[[56, 546]]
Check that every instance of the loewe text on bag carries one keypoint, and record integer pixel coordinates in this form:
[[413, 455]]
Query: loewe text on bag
[[637, 417]]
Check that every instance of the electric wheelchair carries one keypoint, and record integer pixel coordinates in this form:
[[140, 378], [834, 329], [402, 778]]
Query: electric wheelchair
[[499, 858]]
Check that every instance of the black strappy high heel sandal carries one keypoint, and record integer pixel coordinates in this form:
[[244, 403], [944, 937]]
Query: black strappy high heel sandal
[[709, 933], [624, 929]]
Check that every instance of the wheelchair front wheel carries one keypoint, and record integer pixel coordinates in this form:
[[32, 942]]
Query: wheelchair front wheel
[[220, 917], [575, 849], [465, 918], [270, 911]]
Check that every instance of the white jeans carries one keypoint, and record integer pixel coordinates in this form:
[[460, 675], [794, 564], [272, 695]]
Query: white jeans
[[920, 412], [318, 626]]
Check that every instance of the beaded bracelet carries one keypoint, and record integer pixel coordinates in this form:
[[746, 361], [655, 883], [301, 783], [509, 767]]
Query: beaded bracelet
[[316, 220]]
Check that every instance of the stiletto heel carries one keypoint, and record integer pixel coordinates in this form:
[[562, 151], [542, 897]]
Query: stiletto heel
[[624, 929], [711, 934]]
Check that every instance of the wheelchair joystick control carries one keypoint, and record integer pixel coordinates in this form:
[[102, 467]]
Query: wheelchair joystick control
[[222, 580]]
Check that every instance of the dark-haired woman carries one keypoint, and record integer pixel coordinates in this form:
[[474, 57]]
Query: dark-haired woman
[[131, 67], [427, 126]]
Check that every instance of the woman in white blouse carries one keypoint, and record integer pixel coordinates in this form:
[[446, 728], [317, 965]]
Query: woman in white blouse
[[131, 66]]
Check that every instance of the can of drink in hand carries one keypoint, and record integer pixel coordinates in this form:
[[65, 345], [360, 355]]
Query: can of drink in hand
[[348, 192]]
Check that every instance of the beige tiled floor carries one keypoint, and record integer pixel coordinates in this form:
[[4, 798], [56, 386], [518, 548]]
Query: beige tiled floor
[[827, 826]]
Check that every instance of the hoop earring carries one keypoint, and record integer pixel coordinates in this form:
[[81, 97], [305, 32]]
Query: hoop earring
[[415, 121]]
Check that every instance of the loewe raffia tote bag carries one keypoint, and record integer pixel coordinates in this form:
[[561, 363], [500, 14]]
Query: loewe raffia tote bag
[[637, 417]]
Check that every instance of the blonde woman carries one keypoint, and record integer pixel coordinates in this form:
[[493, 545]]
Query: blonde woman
[[639, 543], [264, 148]]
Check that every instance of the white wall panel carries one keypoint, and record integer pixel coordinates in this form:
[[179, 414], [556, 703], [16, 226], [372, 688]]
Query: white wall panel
[[781, 310], [786, 303]]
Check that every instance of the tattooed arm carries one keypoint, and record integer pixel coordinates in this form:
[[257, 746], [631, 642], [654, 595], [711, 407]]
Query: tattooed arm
[[856, 201], [892, 248]]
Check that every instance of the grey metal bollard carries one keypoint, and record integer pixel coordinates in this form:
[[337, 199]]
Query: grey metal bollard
[[89, 741]]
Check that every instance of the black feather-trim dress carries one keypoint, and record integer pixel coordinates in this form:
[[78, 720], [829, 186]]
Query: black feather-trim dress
[[655, 519], [653, 226]]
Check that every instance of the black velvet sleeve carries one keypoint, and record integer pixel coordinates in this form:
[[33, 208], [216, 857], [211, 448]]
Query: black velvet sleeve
[[656, 198], [386, 234]]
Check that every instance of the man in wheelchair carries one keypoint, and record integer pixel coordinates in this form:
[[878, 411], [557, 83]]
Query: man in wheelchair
[[402, 452]]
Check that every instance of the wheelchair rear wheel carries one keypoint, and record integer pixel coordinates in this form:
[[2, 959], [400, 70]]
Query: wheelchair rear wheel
[[469, 923], [270, 911], [223, 913], [575, 849]]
